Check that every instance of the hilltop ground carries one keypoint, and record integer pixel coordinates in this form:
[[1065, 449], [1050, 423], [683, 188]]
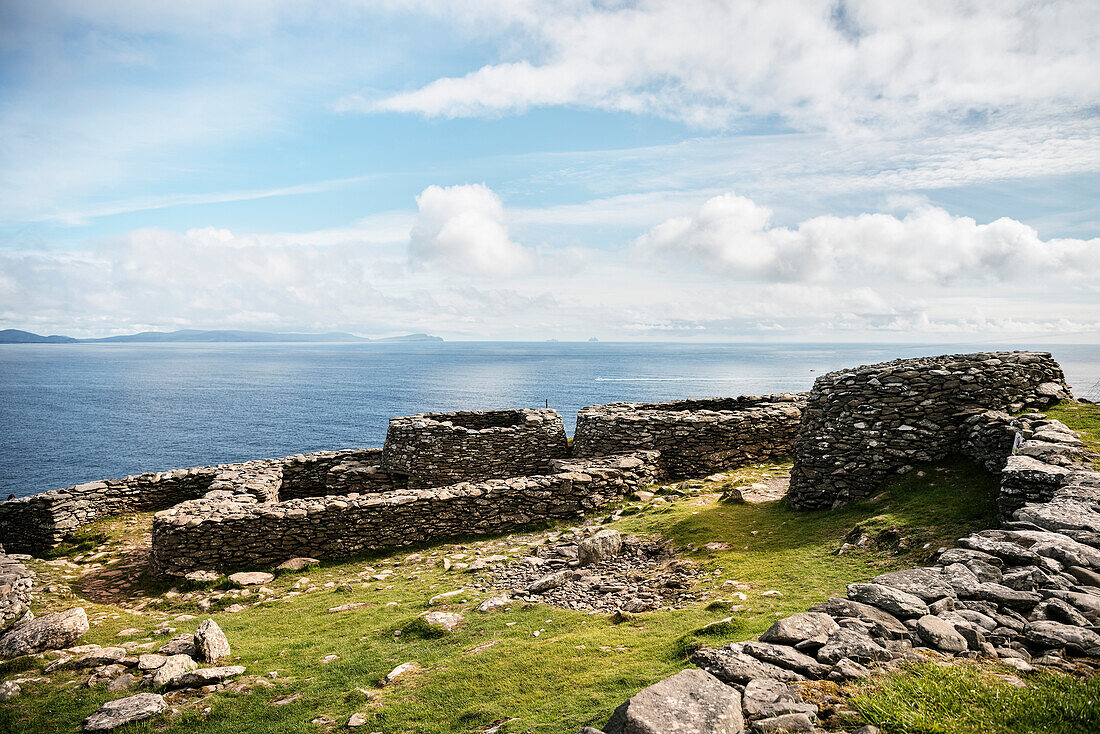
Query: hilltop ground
[[536, 667]]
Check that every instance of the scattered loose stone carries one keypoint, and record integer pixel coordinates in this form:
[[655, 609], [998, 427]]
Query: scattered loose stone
[[444, 597], [494, 604]]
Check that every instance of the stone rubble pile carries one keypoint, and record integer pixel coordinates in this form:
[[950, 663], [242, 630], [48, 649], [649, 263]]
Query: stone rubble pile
[[1027, 593], [695, 437], [603, 573]]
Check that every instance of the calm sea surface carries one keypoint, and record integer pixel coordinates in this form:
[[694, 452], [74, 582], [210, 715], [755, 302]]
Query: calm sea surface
[[74, 413]]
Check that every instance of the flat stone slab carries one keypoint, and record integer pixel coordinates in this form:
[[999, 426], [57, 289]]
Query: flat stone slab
[[252, 578], [127, 710], [48, 632]]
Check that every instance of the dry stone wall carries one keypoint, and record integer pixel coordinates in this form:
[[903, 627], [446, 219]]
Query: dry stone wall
[[39, 522], [227, 533], [437, 449], [16, 584], [695, 437], [1026, 593], [861, 425]]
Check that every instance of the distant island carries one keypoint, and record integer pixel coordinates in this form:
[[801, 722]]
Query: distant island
[[17, 336]]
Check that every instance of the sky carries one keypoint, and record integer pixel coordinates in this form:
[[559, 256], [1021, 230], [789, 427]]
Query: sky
[[774, 170]]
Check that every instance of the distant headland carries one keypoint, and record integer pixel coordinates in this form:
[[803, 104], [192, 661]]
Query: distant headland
[[17, 336]]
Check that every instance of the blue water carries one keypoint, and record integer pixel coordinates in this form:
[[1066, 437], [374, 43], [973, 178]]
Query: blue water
[[74, 413]]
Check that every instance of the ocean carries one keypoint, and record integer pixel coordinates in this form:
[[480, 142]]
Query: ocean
[[72, 413]]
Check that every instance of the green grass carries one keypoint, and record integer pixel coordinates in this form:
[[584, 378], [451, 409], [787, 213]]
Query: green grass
[[579, 668], [969, 699]]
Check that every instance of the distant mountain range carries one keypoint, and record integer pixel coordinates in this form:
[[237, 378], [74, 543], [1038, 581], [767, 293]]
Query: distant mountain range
[[16, 336]]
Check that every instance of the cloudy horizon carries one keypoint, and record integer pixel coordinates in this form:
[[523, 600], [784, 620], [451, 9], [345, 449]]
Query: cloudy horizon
[[705, 170]]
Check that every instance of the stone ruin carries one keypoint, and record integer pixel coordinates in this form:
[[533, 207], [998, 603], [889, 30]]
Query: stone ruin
[[862, 425], [437, 449], [695, 437]]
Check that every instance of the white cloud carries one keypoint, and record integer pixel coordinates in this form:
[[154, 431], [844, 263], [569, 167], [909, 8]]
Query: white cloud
[[819, 65], [735, 236], [461, 228]]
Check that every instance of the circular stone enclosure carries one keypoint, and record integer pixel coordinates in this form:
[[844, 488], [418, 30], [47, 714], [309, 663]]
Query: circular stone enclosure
[[437, 449]]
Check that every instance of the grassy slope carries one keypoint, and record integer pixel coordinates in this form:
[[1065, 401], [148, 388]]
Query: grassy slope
[[578, 669], [969, 698]]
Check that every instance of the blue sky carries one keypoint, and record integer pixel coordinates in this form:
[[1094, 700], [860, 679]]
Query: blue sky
[[699, 169]]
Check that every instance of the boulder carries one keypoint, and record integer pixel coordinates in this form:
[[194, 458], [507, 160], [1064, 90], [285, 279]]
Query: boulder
[[550, 581], [888, 599], [846, 669], [149, 661], [690, 702], [926, 584], [180, 645], [1049, 634], [786, 722], [401, 671], [786, 657], [297, 564], [882, 623], [731, 664], [605, 544], [9, 690], [174, 665], [494, 604], [1006, 597], [204, 676], [846, 643], [251, 578], [443, 621], [49, 632], [939, 634], [210, 642], [800, 627], [761, 692], [99, 656], [125, 711]]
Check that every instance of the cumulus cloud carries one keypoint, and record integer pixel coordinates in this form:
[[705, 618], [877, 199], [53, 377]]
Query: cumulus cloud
[[461, 228], [735, 236], [840, 64]]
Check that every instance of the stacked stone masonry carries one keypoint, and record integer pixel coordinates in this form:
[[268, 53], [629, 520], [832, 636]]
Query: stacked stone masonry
[[1027, 593], [695, 437], [16, 584], [223, 533], [437, 449], [862, 425], [42, 521]]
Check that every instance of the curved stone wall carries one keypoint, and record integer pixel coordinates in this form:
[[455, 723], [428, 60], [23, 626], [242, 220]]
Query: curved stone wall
[[224, 533], [695, 437], [437, 449], [863, 424]]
